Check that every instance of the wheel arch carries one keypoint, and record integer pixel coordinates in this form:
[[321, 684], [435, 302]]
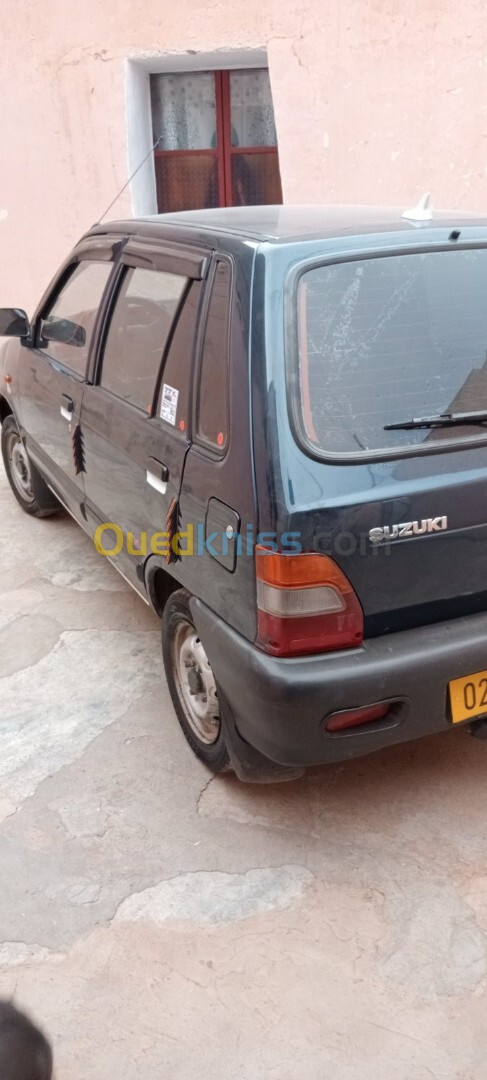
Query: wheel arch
[[159, 584], [5, 409]]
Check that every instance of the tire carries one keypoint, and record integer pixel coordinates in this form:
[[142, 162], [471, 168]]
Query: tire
[[30, 490], [191, 683]]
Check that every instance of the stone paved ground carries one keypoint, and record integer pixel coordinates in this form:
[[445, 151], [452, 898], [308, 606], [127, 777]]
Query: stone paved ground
[[161, 923]]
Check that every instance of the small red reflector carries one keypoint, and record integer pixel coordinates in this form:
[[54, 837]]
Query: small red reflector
[[350, 718]]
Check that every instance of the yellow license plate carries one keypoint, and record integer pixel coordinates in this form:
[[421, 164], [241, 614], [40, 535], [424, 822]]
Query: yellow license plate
[[468, 696]]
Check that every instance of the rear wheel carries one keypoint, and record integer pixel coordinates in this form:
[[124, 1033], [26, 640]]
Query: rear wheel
[[192, 684], [30, 490]]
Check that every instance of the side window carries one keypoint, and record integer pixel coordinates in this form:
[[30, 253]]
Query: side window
[[144, 312], [212, 408], [173, 404], [66, 330]]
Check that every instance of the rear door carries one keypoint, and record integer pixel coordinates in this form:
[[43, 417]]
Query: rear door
[[401, 507], [135, 416], [52, 372], [217, 497]]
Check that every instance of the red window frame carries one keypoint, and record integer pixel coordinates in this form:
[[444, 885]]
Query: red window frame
[[224, 151]]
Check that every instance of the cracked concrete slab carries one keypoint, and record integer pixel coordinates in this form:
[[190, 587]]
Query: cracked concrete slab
[[19, 602], [19, 953], [434, 944], [158, 922], [25, 641], [209, 896], [43, 725]]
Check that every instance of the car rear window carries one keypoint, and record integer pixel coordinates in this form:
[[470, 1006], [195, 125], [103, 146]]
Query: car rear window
[[384, 340]]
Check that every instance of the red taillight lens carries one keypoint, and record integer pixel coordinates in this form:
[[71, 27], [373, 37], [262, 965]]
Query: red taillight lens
[[305, 605]]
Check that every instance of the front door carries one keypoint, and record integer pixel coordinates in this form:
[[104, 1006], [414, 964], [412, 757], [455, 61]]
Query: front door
[[52, 376], [135, 418]]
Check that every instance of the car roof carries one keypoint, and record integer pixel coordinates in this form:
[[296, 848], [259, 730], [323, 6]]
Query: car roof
[[300, 222]]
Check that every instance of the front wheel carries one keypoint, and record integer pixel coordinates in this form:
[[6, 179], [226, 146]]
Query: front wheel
[[192, 684], [30, 490]]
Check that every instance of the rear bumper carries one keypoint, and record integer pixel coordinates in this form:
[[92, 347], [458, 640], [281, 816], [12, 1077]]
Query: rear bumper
[[279, 706]]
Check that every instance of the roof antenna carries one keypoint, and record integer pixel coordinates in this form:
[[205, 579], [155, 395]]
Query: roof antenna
[[421, 212], [129, 181]]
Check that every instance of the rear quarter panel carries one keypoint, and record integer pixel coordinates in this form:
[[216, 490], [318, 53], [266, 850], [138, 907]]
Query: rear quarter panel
[[230, 478]]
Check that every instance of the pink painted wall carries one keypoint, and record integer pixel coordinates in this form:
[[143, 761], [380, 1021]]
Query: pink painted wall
[[375, 101]]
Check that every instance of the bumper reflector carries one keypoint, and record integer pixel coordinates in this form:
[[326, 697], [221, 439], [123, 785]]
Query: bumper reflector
[[352, 718]]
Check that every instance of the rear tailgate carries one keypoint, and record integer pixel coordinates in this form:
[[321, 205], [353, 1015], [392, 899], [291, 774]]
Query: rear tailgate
[[411, 579], [381, 341]]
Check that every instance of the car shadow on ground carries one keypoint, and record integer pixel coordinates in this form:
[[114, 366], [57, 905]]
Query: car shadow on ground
[[434, 785]]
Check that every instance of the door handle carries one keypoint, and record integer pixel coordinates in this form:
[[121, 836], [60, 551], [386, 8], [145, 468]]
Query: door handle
[[67, 407], [157, 475]]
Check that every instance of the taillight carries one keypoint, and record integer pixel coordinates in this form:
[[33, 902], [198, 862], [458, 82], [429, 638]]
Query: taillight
[[305, 604]]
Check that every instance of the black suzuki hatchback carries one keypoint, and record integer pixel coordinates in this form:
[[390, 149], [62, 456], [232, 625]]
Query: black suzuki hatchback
[[273, 421]]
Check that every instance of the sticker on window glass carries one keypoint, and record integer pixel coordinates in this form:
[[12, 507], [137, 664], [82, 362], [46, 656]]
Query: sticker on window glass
[[169, 403]]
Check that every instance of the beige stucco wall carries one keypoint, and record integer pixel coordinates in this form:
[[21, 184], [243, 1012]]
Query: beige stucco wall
[[375, 101]]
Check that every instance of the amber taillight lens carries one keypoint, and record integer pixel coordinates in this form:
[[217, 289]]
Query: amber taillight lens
[[305, 605]]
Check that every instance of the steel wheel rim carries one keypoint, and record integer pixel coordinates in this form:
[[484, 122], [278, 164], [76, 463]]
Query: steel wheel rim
[[195, 683], [20, 467]]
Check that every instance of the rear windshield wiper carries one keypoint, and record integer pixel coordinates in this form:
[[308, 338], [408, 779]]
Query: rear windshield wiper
[[442, 420]]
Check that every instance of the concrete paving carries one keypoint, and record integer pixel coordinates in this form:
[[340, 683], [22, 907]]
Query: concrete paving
[[161, 923]]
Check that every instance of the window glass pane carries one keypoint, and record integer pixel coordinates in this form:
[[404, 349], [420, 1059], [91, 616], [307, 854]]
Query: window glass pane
[[213, 389], [172, 406], [251, 109], [138, 332], [184, 110], [67, 327], [256, 179], [388, 339], [186, 183]]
